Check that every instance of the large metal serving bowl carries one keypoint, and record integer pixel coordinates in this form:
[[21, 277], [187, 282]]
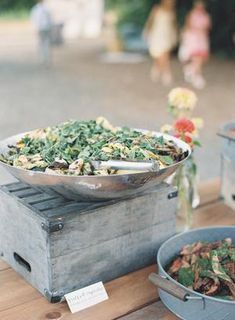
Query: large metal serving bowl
[[94, 188]]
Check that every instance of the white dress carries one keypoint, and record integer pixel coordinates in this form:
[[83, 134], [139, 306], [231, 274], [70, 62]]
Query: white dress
[[163, 33]]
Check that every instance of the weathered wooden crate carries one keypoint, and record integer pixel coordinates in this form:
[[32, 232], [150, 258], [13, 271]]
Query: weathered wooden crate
[[228, 180], [59, 245], [228, 164]]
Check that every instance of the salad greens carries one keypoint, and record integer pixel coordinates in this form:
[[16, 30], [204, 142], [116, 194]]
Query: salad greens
[[70, 147], [208, 268]]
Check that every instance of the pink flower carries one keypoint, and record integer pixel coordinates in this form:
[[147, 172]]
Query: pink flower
[[185, 137], [184, 125]]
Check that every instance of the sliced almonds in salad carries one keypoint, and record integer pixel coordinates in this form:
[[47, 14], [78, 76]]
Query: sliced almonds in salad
[[70, 148]]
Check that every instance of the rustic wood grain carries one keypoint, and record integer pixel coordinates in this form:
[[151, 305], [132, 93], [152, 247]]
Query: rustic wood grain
[[104, 243], [228, 175], [3, 265], [25, 237], [14, 291], [126, 294], [214, 214], [155, 311], [209, 191], [87, 230], [130, 297]]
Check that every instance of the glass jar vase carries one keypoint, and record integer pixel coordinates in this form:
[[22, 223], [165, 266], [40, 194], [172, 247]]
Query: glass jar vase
[[185, 179]]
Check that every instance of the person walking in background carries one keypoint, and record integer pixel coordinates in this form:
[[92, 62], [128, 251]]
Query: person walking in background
[[194, 47], [41, 19], [161, 34], [59, 14]]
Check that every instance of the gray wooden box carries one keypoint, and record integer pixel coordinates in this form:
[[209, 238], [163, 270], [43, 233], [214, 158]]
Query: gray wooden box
[[228, 179], [59, 245], [228, 163]]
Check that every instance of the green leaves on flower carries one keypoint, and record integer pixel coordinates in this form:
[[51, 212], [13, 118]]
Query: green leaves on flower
[[197, 143]]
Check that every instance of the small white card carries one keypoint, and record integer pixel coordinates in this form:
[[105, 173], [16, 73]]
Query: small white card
[[86, 297]]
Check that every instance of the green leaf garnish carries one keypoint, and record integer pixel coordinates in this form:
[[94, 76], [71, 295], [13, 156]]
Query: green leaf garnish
[[186, 277]]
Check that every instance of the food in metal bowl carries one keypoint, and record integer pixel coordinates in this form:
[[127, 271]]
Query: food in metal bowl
[[71, 148], [207, 267]]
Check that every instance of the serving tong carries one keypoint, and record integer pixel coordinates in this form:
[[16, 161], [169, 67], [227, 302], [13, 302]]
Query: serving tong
[[150, 166]]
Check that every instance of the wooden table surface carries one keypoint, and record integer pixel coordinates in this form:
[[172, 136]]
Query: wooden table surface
[[131, 297]]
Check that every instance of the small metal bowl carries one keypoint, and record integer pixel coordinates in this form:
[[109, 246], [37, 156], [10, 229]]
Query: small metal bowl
[[184, 302]]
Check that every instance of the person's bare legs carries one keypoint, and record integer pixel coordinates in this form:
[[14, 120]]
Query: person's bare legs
[[188, 71], [165, 68], [45, 46], [155, 70], [161, 67], [197, 63], [196, 66]]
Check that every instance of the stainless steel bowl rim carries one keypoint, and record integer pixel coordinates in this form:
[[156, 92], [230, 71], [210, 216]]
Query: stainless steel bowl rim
[[162, 248]]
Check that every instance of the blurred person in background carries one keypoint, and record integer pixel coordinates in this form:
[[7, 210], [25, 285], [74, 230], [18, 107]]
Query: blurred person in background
[[42, 21], [58, 11], [161, 34], [194, 47]]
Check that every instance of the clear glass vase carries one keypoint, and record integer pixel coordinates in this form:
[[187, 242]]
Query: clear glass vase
[[185, 180]]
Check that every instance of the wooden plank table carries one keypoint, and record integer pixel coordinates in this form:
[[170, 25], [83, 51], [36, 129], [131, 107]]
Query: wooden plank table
[[131, 297]]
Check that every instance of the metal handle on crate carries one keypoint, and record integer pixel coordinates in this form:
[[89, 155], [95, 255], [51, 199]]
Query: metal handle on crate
[[22, 261], [226, 135]]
